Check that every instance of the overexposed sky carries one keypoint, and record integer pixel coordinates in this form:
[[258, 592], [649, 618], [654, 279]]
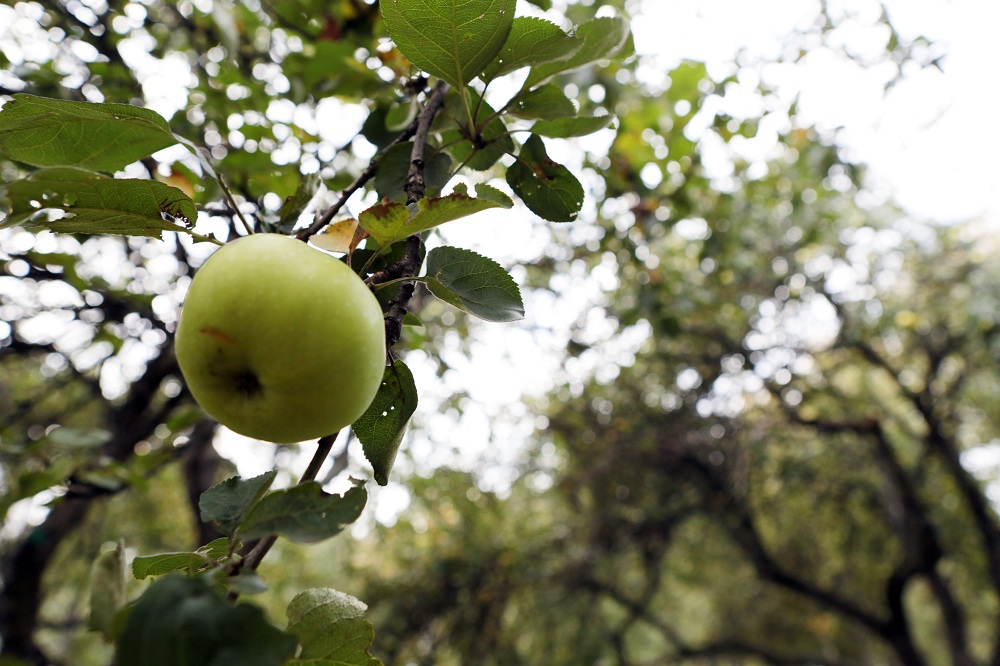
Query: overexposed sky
[[931, 139]]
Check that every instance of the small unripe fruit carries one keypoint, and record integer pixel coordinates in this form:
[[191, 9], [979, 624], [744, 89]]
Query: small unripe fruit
[[279, 341]]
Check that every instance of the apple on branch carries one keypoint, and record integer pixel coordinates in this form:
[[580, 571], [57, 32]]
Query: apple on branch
[[279, 341]]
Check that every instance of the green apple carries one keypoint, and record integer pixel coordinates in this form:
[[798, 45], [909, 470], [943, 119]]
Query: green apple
[[279, 341]]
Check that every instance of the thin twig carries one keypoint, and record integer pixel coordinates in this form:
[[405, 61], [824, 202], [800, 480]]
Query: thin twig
[[358, 183], [256, 555]]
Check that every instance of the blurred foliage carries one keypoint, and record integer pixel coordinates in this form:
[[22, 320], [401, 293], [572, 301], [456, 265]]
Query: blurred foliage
[[762, 455]]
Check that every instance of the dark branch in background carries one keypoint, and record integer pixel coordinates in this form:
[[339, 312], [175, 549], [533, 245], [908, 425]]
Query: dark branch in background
[[24, 563]]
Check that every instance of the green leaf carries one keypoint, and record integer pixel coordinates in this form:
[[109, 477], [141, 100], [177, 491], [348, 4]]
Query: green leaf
[[107, 590], [532, 41], [69, 439], [191, 562], [602, 38], [331, 628], [453, 40], [380, 429], [547, 188], [390, 222], [564, 128], [473, 283], [293, 205], [304, 514], [182, 620], [67, 200], [393, 167], [495, 137], [543, 102], [104, 137], [490, 193], [227, 503]]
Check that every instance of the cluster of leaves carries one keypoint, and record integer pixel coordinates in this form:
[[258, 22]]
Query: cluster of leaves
[[194, 625], [425, 135]]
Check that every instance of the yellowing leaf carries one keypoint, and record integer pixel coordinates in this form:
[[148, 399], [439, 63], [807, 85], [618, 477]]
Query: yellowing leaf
[[337, 237]]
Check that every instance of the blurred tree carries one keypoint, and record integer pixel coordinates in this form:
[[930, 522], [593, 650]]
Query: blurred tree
[[763, 463]]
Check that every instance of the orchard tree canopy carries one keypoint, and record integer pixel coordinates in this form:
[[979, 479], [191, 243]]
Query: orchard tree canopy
[[771, 391]]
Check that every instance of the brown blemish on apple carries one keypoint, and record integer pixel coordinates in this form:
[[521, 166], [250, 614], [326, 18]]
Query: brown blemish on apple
[[218, 335]]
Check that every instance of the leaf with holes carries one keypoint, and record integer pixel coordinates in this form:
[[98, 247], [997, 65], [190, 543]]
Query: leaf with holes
[[546, 187], [390, 222], [67, 200], [380, 429], [473, 283], [104, 137], [452, 40]]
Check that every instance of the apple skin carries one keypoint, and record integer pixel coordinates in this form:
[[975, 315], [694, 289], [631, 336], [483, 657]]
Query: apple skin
[[279, 341]]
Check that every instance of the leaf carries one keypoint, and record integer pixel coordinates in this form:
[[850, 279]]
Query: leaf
[[107, 590], [390, 222], [473, 283], [336, 237], [565, 128], [547, 188], [104, 137], [304, 513], [495, 138], [532, 41], [227, 503], [68, 439], [293, 205], [380, 429], [156, 565], [331, 628], [67, 200], [181, 620], [490, 193], [602, 38], [543, 102], [393, 167], [452, 39]]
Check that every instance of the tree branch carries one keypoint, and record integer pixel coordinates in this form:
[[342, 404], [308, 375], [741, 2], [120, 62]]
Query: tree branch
[[415, 185]]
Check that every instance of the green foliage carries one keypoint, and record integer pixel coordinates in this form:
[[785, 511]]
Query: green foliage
[[182, 620], [331, 629], [381, 428], [228, 503], [454, 42], [473, 283], [103, 137], [304, 513], [208, 556], [545, 187]]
